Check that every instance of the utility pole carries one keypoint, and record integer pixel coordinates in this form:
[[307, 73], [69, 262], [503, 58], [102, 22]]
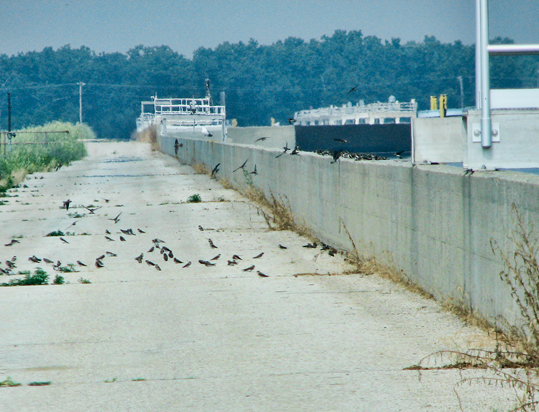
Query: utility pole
[[461, 92], [80, 101]]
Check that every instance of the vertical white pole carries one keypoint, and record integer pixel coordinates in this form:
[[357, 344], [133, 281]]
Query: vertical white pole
[[478, 54], [486, 124], [80, 101]]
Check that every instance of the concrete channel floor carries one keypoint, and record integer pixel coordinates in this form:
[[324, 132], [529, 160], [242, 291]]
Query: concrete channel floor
[[310, 337]]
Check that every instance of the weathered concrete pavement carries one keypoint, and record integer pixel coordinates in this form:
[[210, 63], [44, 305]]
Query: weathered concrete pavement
[[204, 338]]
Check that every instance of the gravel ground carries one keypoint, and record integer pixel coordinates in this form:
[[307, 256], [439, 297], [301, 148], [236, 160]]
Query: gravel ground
[[311, 336]]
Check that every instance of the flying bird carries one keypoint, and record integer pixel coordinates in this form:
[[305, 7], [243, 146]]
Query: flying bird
[[242, 166], [66, 204], [285, 149], [92, 209], [254, 172], [215, 170], [117, 218], [353, 89], [295, 151]]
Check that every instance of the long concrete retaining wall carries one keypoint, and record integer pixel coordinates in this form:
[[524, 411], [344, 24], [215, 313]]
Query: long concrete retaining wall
[[430, 221]]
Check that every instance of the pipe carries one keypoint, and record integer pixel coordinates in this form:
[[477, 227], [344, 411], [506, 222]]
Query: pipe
[[478, 54], [512, 49], [486, 124]]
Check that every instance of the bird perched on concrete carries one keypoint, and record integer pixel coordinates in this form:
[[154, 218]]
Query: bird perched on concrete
[[151, 250], [99, 264], [258, 256], [291, 120], [157, 267], [241, 167], [117, 218], [206, 263], [295, 151], [107, 232], [232, 263], [165, 256], [212, 244], [47, 261], [176, 260], [205, 132], [249, 269], [310, 245], [99, 258], [34, 259], [13, 241], [215, 170], [150, 263], [282, 247], [80, 263], [176, 146], [262, 275], [216, 257], [109, 239], [63, 240], [187, 265], [66, 204], [111, 254], [200, 228], [236, 257], [341, 140], [141, 231], [261, 139], [139, 258], [122, 238], [336, 155]]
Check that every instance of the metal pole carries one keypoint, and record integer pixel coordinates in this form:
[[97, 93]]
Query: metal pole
[[461, 92], [9, 112], [80, 101], [478, 54], [486, 124]]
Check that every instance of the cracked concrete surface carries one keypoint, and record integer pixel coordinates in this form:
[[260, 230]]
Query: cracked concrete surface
[[204, 338]]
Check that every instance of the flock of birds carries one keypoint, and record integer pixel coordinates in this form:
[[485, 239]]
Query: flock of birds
[[158, 253]]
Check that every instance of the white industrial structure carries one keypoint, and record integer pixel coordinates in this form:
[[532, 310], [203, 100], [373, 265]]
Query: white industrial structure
[[374, 113]]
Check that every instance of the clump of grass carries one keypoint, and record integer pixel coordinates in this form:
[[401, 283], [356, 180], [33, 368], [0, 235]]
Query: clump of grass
[[70, 268], [76, 215], [194, 198], [40, 277], [201, 169], [9, 383], [59, 280], [84, 281], [56, 233], [111, 380]]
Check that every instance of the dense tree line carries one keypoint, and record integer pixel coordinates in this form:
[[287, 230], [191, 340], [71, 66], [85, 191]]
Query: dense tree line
[[260, 81]]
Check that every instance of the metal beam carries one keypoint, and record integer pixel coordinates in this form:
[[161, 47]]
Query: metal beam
[[512, 49], [486, 124]]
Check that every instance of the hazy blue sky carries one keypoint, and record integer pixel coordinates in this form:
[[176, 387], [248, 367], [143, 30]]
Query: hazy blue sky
[[185, 25]]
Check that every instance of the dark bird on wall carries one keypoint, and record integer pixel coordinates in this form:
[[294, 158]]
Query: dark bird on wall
[[157, 267], [139, 258], [236, 257], [187, 265], [285, 149], [109, 239], [165, 256], [353, 89], [200, 228], [249, 269], [241, 167], [341, 140], [216, 257], [282, 247], [262, 275], [399, 154], [310, 245], [122, 238], [106, 200], [336, 155], [107, 232], [63, 240], [254, 172], [66, 204], [258, 256], [13, 241], [206, 263], [261, 139], [177, 260], [49, 261], [99, 258], [141, 231], [170, 254], [215, 170], [468, 172], [176, 146], [212, 244], [151, 249], [232, 263], [34, 259], [291, 120], [80, 263], [150, 263], [111, 254], [99, 264], [117, 218], [295, 151]]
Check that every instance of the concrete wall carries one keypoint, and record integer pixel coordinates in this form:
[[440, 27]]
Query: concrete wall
[[430, 221], [438, 140], [277, 136], [518, 146]]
